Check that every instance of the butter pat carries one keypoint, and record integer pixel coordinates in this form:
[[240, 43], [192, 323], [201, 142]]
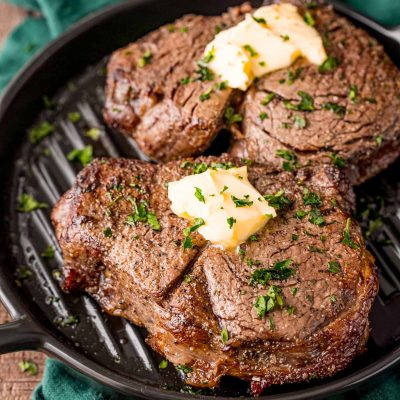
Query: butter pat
[[232, 209], [273, 38]]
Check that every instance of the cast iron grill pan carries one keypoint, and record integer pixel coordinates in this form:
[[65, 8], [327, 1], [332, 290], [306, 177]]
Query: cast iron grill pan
[[111, 349]]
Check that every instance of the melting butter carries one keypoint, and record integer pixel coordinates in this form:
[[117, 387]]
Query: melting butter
[[231, 208], [270, 39]]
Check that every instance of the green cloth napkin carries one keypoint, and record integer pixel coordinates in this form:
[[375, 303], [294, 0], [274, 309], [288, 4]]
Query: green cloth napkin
[[54, 17], [60, 381]]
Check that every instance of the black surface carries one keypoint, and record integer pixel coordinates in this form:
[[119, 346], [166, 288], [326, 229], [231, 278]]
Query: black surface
[[110, 349]]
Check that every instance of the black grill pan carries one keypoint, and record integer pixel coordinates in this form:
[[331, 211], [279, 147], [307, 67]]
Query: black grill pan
[[111, 350]]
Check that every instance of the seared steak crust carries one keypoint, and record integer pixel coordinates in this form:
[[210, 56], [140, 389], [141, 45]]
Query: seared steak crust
[[153, 103], [355, 116], [357, 105], [187, 298]]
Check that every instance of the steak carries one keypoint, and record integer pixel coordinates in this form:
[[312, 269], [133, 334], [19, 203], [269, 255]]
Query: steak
[[355, 118], [157, 100], [289, 305]]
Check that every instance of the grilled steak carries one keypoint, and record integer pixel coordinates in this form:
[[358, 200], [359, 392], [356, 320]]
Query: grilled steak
[[151, 94], [355, 118], [290, 305]]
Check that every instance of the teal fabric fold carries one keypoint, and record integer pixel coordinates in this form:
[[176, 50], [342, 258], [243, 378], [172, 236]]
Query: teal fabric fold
[[63, 383], [54, 17]]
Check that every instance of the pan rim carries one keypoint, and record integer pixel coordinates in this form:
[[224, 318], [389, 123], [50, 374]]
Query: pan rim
[[67, 354]]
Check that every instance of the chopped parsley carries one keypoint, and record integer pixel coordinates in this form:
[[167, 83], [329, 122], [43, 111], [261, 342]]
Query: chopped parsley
[[267, 98], [338, 161], [171, 28], [197, 223], [28, 366], [259, 20], [48, 102], [333, 298], [253, 238], [242, 202], [218, 28], [71, 320], [163, 364], [308, 19], [224, 189], [142, 214], [206, 95], [280, 271], [311, 198], [145, 59], [209, 56], [347, 240], [203, 72], [221, 165], [199, 195], [379, 140], [306, 103], [295, 237], [48, 252], [294, 75], [185, 81], [291, 159], [285, 38], [330, 64], [263, 115], [251, 50], [84, 156], [293, 291], [224, 335], [269, 302], [271, 324], [199, 168], [334, 267], [230, 222], [74, 116], [222, 85], [316, 218], [93, 133], [107, 232], [336, 108], [21, 274], [153, 221], [278, 200], [291, 310], [300, 214], [187, 243], [39, 132], [353, 93], [299, 122], [27, 203], [184, 368], [231, 117]]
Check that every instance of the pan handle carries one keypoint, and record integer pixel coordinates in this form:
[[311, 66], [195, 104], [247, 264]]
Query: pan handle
[[20, 334]]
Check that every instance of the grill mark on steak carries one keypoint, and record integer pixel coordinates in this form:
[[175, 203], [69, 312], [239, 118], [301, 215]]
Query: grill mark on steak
[[138, 274]]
